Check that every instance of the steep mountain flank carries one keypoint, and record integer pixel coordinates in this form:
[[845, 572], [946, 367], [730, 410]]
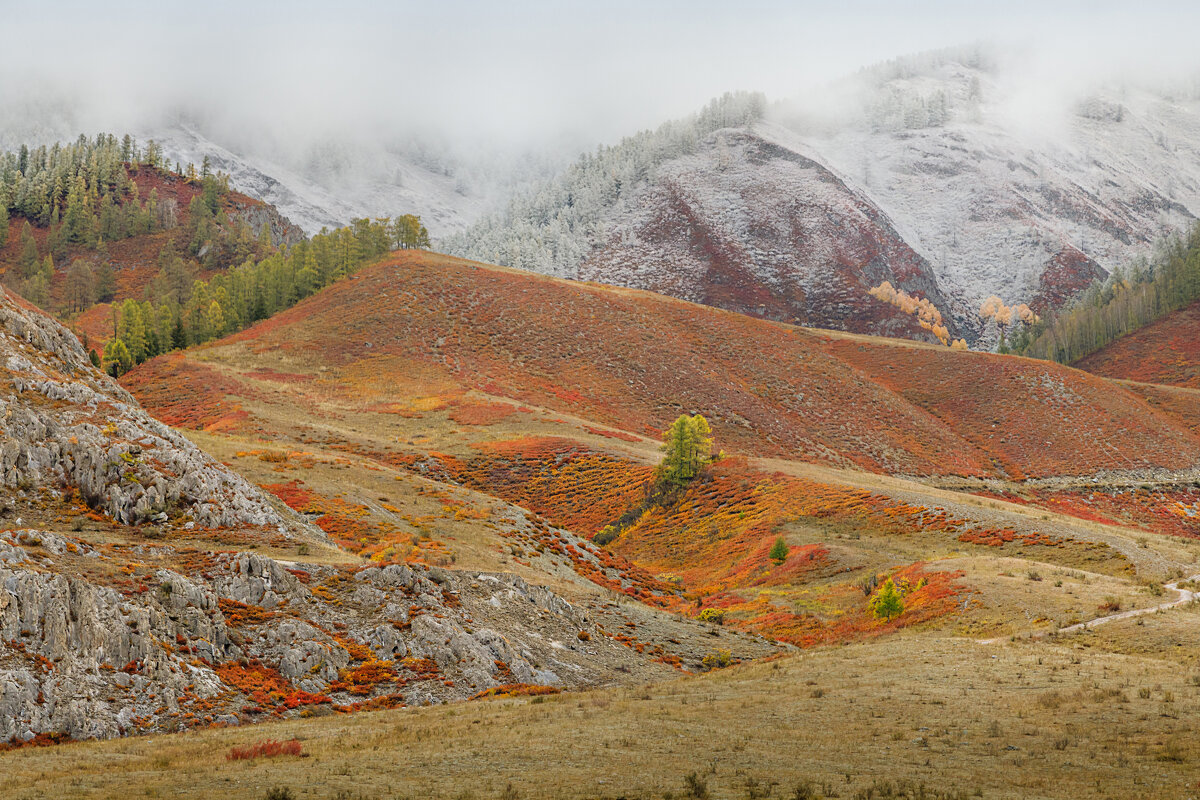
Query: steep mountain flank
[[747, 224]]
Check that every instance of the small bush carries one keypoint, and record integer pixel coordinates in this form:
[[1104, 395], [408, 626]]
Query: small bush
[[268, 748], [279, 793], [1172, 751], [804, 791], [695, 787], [714, 615], [717, 660], [607, 535]]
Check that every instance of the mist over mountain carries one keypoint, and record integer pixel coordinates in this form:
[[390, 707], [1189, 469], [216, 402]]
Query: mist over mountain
[[379, 110]]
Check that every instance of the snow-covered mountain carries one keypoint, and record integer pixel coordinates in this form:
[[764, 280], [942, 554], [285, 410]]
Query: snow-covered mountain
[[324, 183], [1003, 195], [747, 223], [334, 185], [945, 153]]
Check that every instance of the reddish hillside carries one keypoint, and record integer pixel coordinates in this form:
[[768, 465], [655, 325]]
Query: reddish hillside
[[134, 260], [634, 360], [1166, 351], [1032, 418]]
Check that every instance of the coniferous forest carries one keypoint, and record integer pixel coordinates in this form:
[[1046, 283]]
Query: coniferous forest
[[1126, 301], [214, 274]]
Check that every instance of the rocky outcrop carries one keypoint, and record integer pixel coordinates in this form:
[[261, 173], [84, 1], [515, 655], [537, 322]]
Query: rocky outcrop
[[108, 641], [64, 424], [279, 227]]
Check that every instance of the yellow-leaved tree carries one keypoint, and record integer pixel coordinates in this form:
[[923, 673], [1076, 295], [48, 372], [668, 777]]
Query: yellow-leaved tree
[[687, 449]]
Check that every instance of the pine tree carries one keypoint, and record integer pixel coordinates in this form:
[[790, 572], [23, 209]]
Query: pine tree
[[117, 360], [779, 551], [37, 290], [132, 331], [28, 260], [3, 222], [105, 283], [215, 318], [80, 286]]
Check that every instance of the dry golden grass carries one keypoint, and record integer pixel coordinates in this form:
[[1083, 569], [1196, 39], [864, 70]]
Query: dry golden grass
[[1027, 720]]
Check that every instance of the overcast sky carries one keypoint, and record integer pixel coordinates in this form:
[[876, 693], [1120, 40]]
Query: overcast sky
[[517, 72]]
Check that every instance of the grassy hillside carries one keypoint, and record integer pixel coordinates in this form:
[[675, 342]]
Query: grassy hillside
[[449, 415], [633, 361], [426, 367]]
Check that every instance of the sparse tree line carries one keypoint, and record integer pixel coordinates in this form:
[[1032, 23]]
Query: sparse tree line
[[181, 310], [1126, 301], [551, 228], [83, 193]]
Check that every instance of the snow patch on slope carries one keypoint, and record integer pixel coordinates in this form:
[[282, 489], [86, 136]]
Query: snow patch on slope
[[390, 187]]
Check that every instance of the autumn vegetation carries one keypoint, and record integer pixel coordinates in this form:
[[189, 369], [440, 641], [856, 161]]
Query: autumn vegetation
[[475, 328], [536, 436]]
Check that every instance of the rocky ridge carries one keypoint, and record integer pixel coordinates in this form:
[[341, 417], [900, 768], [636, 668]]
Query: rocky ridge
[[66, 425]]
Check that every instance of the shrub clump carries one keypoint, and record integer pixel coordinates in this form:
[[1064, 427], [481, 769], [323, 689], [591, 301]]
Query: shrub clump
[[268, 748]]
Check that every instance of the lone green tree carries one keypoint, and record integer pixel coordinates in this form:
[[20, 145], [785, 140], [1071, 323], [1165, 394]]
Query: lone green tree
[[887, 602], [779, 551], [687, 449]]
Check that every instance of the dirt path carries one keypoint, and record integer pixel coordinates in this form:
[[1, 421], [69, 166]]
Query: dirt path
[[1185, 596]]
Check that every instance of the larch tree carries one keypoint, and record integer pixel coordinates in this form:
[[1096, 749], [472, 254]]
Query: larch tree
[[117, 360], [779, 551], [28, 259], [887, 602], [687, 449]]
